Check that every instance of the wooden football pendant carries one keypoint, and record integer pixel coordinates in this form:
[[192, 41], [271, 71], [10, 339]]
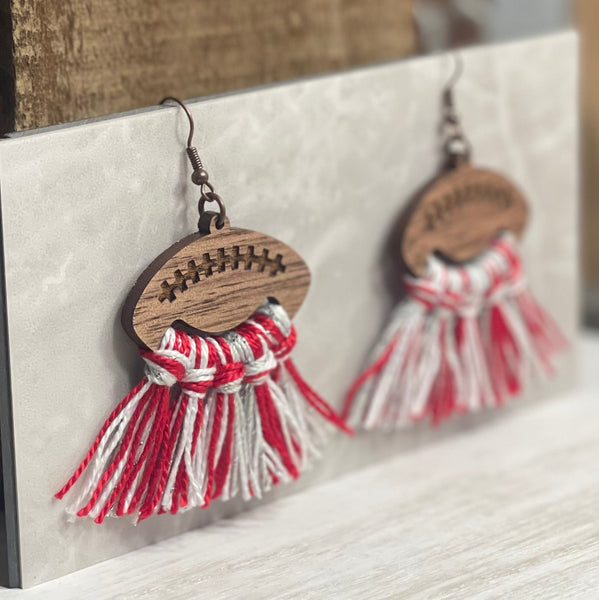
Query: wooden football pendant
[[212, 282], [459, 214]]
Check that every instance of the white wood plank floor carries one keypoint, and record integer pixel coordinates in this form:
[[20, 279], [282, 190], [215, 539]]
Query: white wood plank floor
[[510, 511]]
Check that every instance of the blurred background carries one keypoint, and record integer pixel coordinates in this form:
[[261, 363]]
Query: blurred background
[[66, 60]]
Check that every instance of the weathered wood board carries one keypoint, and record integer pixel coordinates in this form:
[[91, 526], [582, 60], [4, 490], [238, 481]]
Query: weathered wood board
[[75, 59]]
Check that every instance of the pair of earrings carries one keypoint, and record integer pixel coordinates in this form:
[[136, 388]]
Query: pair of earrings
[[222, 410]]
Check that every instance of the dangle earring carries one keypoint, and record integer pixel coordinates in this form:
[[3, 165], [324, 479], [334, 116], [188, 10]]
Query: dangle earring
[[222, 410], [468, 333]]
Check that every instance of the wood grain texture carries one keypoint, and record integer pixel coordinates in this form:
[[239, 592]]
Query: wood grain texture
[[587, 20], [77, 59], [7, 83], [459, 214], [505, 510], [213, 282]]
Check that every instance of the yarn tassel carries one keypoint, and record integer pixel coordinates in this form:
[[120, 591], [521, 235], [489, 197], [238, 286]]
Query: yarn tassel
[[464, 337], [442, 400], [371, 401], [503, 356], [242, 420], [115, 460]]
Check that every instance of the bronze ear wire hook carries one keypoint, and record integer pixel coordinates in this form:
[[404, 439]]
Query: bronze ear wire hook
[[458, 70], [456, 146], [199, 175]]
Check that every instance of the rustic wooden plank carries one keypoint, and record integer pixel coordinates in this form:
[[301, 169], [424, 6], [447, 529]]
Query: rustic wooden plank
[[76, 59], [505, 510], [7, 100], [587, 19]]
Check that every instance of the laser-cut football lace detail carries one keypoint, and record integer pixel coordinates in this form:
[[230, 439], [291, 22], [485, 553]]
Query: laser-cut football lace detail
[[226, 258]]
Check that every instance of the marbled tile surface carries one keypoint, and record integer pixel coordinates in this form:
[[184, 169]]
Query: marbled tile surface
[[324, 165]]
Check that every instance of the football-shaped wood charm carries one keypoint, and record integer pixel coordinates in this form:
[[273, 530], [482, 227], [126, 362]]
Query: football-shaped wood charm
[[459, 214], [212, 282]]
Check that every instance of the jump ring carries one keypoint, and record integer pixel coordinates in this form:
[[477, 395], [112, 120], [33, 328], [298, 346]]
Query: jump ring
[[203, 187], [212, 196]]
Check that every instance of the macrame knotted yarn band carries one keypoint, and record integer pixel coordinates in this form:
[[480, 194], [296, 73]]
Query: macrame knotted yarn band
[[241, 420], [465, 337]]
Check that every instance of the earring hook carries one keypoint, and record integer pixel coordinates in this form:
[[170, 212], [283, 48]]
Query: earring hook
[[187, 112], [456, 74], [200, 175], [456, 145]]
